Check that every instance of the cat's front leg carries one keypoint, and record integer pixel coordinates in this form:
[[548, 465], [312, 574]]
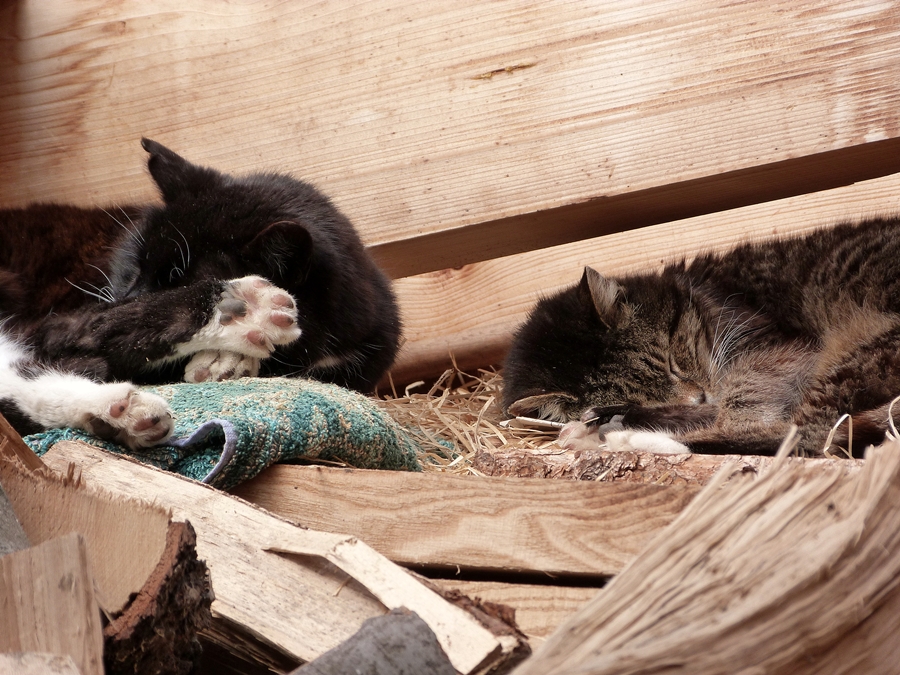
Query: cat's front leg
[[578, 436], [249, 321], [115, 411], [638, 428], [121, 413]]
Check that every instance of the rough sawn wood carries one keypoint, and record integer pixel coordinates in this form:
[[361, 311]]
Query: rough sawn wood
[[299, 591], [794, 572], [47, 603], [469, 522]]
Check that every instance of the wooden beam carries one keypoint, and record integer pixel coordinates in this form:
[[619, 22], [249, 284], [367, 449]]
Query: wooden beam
[[300, 592], [467, 522], [610, 213], [472, 312], [455, 131], [791, 573], [47, 603]]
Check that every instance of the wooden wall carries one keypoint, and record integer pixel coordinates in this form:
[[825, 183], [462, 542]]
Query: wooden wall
[[463, 136]]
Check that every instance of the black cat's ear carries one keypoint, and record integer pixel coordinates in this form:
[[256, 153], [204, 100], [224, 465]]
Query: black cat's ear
[[543, 406], [175, 175], [607, 298], [285, 249]]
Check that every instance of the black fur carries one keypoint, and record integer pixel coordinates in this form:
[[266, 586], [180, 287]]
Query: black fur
[[159, 270]]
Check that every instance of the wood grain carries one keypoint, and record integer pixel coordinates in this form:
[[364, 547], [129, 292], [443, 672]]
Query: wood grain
[[13, 447], [540, 609], [472, 312], [467, 522], [125, 537], [301, 592], [793, 572], [442, 128], [47, 603]]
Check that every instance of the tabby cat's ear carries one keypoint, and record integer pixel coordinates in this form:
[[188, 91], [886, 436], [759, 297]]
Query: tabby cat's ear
[[607, 297], [285, 249], [175, 175]]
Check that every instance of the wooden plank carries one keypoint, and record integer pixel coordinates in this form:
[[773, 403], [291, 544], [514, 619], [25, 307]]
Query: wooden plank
[[47, 603], [147, 579], [301, 592], [540, 609], [125, 538], [791, 573], [472, 312], [468, 522], [432, 123]]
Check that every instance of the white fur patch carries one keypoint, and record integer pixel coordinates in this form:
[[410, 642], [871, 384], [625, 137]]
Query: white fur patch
[[327, 362], [55, 399], [256, 333], [658, 442], [214, 366]]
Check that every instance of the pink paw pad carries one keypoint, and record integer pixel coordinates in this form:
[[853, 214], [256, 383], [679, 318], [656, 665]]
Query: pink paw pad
[[117, 409]]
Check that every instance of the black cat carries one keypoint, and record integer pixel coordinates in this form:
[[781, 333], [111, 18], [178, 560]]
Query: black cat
[[724, 353], [230, 276]]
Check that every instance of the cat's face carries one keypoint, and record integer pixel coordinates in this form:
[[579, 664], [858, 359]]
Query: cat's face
[[214, 226], [602, 344]]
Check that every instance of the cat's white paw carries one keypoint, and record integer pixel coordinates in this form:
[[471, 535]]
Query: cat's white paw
[[658, 442], [215, 366], [579, 436], [251, 318], [123, 414]]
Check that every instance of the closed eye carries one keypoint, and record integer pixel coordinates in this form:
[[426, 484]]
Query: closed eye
[[676, 372]]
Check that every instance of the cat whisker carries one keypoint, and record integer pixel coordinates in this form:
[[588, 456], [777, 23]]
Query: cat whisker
[[186, 245], [132, 233], [100, 294], [287, 363], [134, 227], [105, 276], [183, 260]]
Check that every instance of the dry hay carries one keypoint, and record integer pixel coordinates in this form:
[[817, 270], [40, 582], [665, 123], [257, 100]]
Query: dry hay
[[462, 409]]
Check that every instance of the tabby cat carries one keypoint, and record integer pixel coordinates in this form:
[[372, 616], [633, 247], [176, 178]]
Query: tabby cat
[[722, 354], [229, 276]]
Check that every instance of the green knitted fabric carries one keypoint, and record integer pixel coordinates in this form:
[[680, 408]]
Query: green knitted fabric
[[227, 432]]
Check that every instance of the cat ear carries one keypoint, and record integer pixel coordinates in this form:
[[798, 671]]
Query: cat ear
[[174, 174], [543, 406], [284, 248], [607, 297]]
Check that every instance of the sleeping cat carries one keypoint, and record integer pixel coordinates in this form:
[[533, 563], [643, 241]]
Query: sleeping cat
[[230, 276], [722, 354]]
